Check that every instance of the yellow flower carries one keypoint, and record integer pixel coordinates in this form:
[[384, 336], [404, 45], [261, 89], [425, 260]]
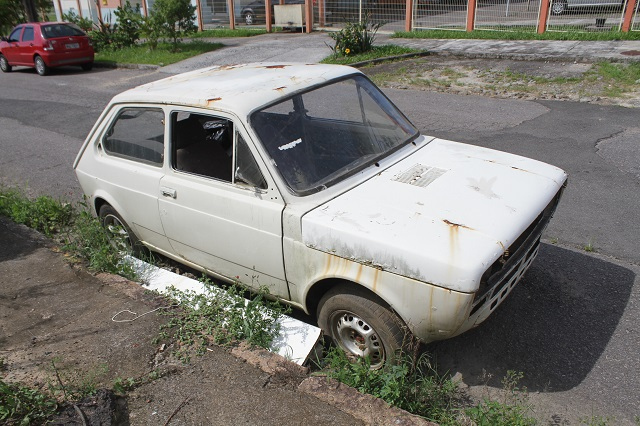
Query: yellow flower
[[347, 51]]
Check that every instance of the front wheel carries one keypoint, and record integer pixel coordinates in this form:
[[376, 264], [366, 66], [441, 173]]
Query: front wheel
[[361, 325], [4, 64], [41, 67]]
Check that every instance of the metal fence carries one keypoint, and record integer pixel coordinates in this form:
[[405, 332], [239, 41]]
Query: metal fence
[[586, 15], [507, 15], [635, 22], [440, 14], [336, 13]]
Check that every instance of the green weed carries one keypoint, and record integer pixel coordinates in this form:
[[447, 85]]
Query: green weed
[[123, 386], [376, 52], [512, 410], [221, 317], [43, 214], [20, 405], [412, 385]]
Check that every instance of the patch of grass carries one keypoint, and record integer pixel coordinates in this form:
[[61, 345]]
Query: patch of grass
[[122, 386], [377, 52], [589, 247], [80, 235], [513, 410], [43, 214], [162, 55], [412, 386], [223, 317], [226, 33], [568, 34], [21, 405]]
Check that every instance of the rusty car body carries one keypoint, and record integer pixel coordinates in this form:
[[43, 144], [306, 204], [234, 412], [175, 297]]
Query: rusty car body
[[306, 179]]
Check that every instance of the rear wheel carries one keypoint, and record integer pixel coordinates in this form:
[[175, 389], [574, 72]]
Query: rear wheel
[[361, 325], [120, 235], [87, 67], [4, 64], [41, 67], [558, 7]]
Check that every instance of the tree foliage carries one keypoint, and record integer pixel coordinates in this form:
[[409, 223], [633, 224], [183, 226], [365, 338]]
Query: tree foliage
[[174, 18]]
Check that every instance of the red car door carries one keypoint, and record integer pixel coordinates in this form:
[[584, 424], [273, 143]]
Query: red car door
[[11, 51], [28, 45]]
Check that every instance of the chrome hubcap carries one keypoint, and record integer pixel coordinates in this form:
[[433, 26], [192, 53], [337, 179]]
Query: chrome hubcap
[[358, 338]]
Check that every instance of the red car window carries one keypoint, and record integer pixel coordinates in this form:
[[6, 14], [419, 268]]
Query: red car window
[[27, 35], [15, 35], [60, 30]]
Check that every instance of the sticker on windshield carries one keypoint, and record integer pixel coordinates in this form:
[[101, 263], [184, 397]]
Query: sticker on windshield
[[290, 145]]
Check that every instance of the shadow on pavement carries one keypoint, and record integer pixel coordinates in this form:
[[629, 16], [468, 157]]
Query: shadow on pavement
[[553, 328]]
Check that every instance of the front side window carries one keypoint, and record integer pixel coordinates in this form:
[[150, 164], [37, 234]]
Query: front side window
[[137, 134], [322, 136], [15, 34], [28, 34], [203, 145]]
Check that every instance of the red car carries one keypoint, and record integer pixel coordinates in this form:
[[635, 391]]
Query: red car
[[44, 45]]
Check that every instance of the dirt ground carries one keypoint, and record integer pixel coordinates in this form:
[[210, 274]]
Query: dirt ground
[[57, 332], [505, 78]]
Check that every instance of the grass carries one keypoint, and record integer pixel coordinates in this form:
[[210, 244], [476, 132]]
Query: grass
[[162, 55], [79, 234], [376, 53], [414, 385], [225, 32], [21, 405], [569, 34], [221, 316]]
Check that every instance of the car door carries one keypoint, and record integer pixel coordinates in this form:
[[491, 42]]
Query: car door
[[26, 46], [12, 51], [218, 208], [129, 166]]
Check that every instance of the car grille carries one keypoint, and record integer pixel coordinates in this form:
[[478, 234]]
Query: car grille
[[509, 268]]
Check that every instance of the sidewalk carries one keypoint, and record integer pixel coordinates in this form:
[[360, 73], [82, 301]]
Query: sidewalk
[[312, 48]]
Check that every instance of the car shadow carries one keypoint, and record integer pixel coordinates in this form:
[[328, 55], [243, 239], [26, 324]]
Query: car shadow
[[17, 240], [553, 328]]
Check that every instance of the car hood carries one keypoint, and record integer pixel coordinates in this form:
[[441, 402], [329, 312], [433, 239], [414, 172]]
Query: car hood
[[442, 215]]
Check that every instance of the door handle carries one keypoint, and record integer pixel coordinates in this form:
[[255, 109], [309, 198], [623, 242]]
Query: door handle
[[168, 192]]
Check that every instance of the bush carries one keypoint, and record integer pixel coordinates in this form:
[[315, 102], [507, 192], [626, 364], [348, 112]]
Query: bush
[[355, 37], [173, 18]]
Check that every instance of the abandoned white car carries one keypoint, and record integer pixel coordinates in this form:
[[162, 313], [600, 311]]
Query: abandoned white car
[[308, 180]]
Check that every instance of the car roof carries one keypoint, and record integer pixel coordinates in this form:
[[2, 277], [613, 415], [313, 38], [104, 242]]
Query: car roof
[[237, 88]]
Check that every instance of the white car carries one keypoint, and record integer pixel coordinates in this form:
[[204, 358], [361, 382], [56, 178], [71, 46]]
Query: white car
[[306, 179]]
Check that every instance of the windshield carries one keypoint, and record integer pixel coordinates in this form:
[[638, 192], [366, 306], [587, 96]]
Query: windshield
[[320, 137]]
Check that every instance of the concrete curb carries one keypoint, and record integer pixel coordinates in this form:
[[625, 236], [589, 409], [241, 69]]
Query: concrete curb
[[390, 58], [367, 408]]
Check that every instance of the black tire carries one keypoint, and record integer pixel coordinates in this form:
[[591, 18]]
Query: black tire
[[361, 324], [120, 235], [558, 7], [4, 64], [87, 67], [249, 18], [41, 67]]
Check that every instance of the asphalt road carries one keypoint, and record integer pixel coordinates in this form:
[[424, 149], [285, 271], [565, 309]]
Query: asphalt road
[[572, 326]]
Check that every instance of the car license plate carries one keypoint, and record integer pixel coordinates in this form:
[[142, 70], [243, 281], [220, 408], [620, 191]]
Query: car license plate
[[73, 45]]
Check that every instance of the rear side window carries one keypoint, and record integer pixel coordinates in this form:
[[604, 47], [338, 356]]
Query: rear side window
[[28, 34], [61, 30], [137, 134]]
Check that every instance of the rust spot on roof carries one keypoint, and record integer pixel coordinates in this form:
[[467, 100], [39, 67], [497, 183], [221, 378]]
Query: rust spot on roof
[[455, 225], [275, 66], [214, 99], [280, 88]]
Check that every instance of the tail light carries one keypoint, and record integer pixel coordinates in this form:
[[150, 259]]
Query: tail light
[[48, 45]]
